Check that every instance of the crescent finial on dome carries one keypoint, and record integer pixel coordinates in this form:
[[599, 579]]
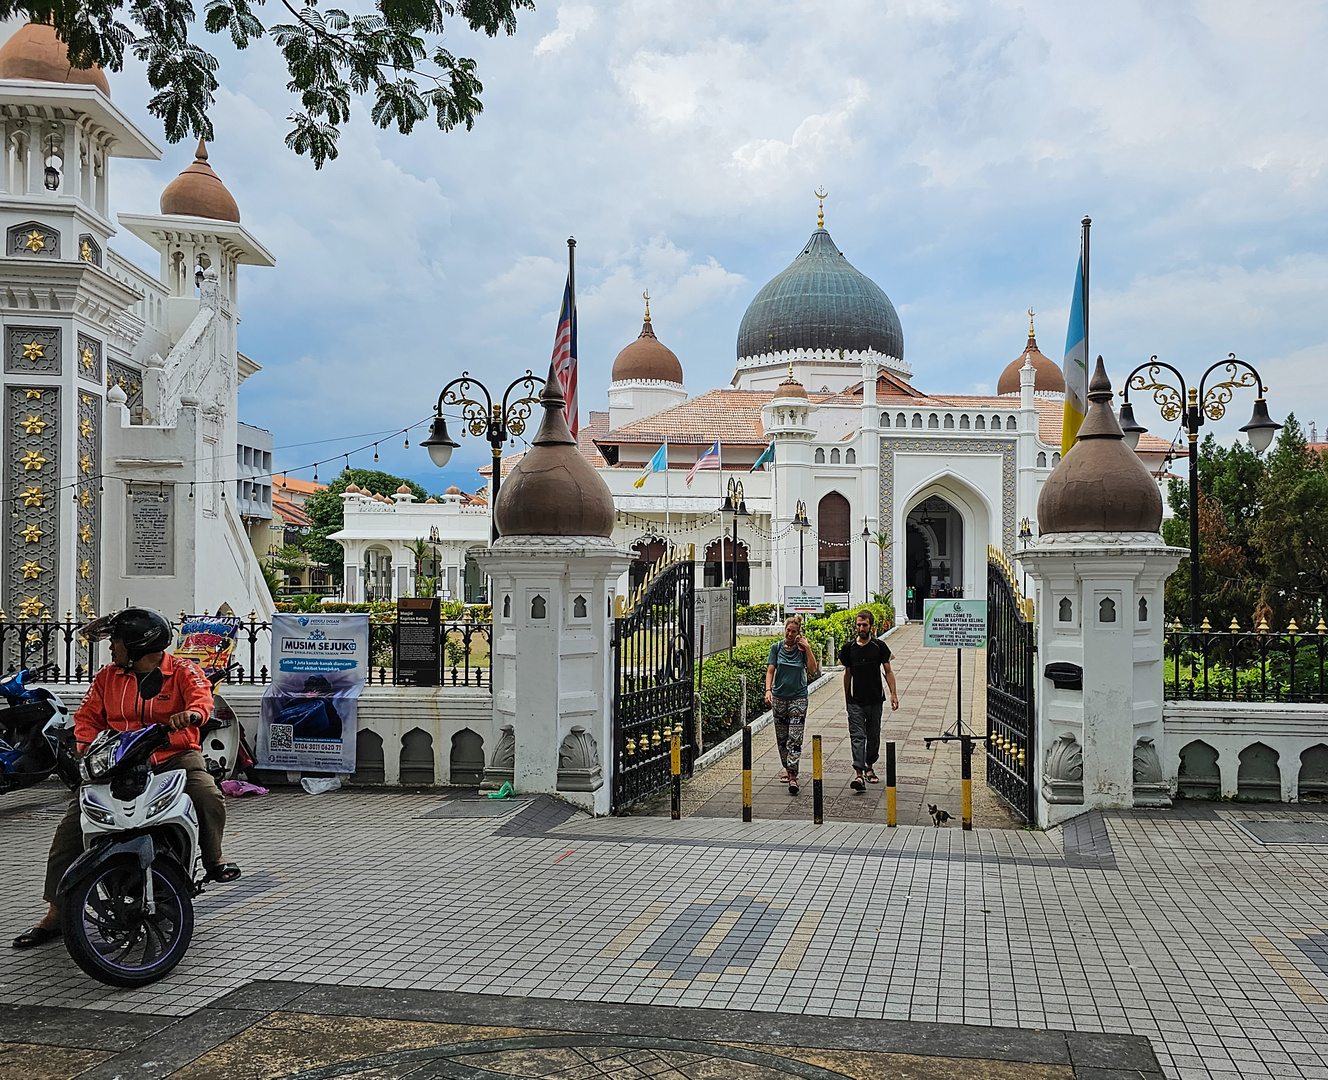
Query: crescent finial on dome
[[821, 195]]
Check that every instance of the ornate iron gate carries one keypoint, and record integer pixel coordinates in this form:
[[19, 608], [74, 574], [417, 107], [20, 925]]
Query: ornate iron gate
[[652, 681], [1010, 669]]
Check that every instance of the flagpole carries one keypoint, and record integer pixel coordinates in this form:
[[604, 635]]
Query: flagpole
[[1087, 224], [666, 486]]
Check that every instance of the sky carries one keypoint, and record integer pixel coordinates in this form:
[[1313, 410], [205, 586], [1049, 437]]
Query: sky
[[680, 143]]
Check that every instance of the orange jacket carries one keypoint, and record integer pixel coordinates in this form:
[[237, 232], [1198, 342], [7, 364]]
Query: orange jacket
[[112, 702]]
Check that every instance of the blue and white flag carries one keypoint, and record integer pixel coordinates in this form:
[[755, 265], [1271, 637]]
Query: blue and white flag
[[1075, 367], [658, 463], [767, 458]]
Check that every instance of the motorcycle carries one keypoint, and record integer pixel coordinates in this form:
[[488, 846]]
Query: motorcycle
[[221, 738], [126, 904], [36, 735]]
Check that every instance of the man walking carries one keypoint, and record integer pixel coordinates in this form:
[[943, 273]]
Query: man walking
[[865, 659]]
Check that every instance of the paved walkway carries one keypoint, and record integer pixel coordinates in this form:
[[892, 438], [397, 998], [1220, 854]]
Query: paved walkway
[[926, 680], [1203, 929]]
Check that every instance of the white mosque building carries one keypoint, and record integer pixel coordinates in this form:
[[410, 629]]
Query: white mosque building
[[902, 489]]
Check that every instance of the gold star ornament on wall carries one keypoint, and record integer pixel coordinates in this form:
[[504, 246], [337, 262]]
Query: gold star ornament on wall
[[34, 424], [85, 606], [85, 428], [34, 350], [35, 242], [85, 569], [85, 533], [85, 463], [32, 607], [85, 252], [32, 533], [33, 393], [85, 498], [33, 461], [87, 359], [33, 569], [33, 495]]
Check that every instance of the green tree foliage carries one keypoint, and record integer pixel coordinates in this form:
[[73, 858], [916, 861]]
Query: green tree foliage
[[394, 56], [291, 559], [326, 517], [1262, 527]]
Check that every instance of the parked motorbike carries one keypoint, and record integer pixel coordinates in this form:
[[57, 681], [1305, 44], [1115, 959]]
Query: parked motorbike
[[36, 735], [126, 904], [221, 737]]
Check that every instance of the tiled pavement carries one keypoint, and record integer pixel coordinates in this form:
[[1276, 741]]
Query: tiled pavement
[[1178, 926], [927, 682]]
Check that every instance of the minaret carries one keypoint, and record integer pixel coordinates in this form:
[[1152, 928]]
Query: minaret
[[786, 419], [647, 377]]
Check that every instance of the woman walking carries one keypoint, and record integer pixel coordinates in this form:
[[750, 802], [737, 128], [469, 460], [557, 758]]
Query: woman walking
[[790, 666]]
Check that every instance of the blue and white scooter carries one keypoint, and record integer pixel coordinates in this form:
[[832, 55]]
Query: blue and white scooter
[[36, 735]]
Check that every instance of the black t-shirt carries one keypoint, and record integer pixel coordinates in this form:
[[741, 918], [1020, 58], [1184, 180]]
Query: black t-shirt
[[866, 680]]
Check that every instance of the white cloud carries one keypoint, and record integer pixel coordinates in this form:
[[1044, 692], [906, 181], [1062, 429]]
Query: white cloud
[[572, 19]]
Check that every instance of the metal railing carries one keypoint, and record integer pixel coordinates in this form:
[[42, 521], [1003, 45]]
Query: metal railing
[[1246, 665], [59, 651]]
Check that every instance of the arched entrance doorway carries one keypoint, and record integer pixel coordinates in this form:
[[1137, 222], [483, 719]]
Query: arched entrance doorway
[[719, 566], [832, 531], [647, 552], [935, 553]]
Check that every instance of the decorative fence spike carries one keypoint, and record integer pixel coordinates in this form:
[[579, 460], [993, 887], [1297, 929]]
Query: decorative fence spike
[[1292, 628], [1206, 627], [1235, 625]]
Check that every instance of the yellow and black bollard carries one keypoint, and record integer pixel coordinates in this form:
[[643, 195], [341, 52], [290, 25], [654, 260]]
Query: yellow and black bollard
[[746, 773], [891, 806], [818, 796], [676, 764], [966, 778]]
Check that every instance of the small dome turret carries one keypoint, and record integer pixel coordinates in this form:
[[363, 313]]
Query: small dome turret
[[36, 52], [199, 192], [790, 388], [647, 358], [1100, 485], [1048, 377]]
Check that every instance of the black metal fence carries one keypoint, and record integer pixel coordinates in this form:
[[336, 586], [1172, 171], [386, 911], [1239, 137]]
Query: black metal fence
[[1010, 682], [59, 651], [1246, 665]]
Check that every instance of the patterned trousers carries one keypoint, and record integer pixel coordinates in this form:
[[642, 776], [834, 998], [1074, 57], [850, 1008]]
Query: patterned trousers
[[790, 719]]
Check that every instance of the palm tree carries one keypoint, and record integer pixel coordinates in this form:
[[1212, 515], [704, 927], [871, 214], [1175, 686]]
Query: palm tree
[[419, 547]]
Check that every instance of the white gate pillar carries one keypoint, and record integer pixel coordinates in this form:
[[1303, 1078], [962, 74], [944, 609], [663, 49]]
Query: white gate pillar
[[553, 569], [1099, 565]]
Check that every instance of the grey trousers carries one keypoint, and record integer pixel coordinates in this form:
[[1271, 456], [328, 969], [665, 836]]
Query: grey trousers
[[864, 734]]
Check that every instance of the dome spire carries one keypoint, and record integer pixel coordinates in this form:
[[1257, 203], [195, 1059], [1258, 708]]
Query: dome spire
[[646, 297], [1030, 325], [821, 195]]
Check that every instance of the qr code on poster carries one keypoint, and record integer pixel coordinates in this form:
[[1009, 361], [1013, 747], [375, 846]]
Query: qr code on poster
[[281, 737]]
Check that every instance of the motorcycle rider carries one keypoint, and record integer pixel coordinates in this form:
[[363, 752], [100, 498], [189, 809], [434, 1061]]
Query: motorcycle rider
[[142, 685]]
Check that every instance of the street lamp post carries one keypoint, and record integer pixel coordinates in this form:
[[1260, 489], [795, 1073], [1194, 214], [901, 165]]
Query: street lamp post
[[866, 566], [1192, 407], [1025, 536], [801, 523], [434, 541], [495, 423], [735, 504]]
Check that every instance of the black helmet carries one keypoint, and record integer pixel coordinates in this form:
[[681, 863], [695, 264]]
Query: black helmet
[[141, 630]]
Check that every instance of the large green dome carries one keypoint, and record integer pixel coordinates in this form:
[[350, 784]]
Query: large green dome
[[820, 302]]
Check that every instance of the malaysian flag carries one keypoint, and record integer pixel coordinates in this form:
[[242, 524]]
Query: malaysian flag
[[564, 356], [708, 460]]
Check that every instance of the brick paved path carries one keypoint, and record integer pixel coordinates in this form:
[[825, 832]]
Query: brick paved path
[[927, 706]]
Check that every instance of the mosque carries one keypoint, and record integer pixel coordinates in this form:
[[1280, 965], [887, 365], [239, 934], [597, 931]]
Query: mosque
[[876, 486]]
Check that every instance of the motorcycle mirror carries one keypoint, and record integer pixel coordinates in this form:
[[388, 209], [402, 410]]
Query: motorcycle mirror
[[149, 685]]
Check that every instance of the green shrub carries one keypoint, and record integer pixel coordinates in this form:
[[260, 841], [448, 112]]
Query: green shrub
[[720, 687], [757, 614]]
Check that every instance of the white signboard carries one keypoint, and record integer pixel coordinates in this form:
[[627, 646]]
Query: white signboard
[[804, 600], [954, 624], [308, 720], [714, 612]]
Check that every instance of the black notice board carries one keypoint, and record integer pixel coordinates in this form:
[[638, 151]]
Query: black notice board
[[417, 659]]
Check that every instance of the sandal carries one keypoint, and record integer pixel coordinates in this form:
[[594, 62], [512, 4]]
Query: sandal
[[223, 872], [38, 935], [856, 783], [793, 784], [784, 777], [872, 778]]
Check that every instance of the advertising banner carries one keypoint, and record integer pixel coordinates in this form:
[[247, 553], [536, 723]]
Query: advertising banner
[[804, 600], [209, 641], [954, 624], [319, 664]]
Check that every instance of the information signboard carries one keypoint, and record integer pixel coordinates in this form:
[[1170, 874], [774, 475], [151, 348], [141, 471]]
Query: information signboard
[[954, 624], [804, 600], [417, 658], [308, 719], [714, 613]]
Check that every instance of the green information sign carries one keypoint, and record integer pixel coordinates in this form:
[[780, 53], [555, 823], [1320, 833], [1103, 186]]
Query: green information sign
[[954, 624]]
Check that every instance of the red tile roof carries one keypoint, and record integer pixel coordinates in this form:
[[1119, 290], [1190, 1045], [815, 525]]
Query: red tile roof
[[289, 512], [733, 415]]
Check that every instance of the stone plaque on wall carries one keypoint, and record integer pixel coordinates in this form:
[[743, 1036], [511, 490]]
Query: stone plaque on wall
[[88, 360], [32, 502], [33, 240], [150, 531], [32, 350]]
